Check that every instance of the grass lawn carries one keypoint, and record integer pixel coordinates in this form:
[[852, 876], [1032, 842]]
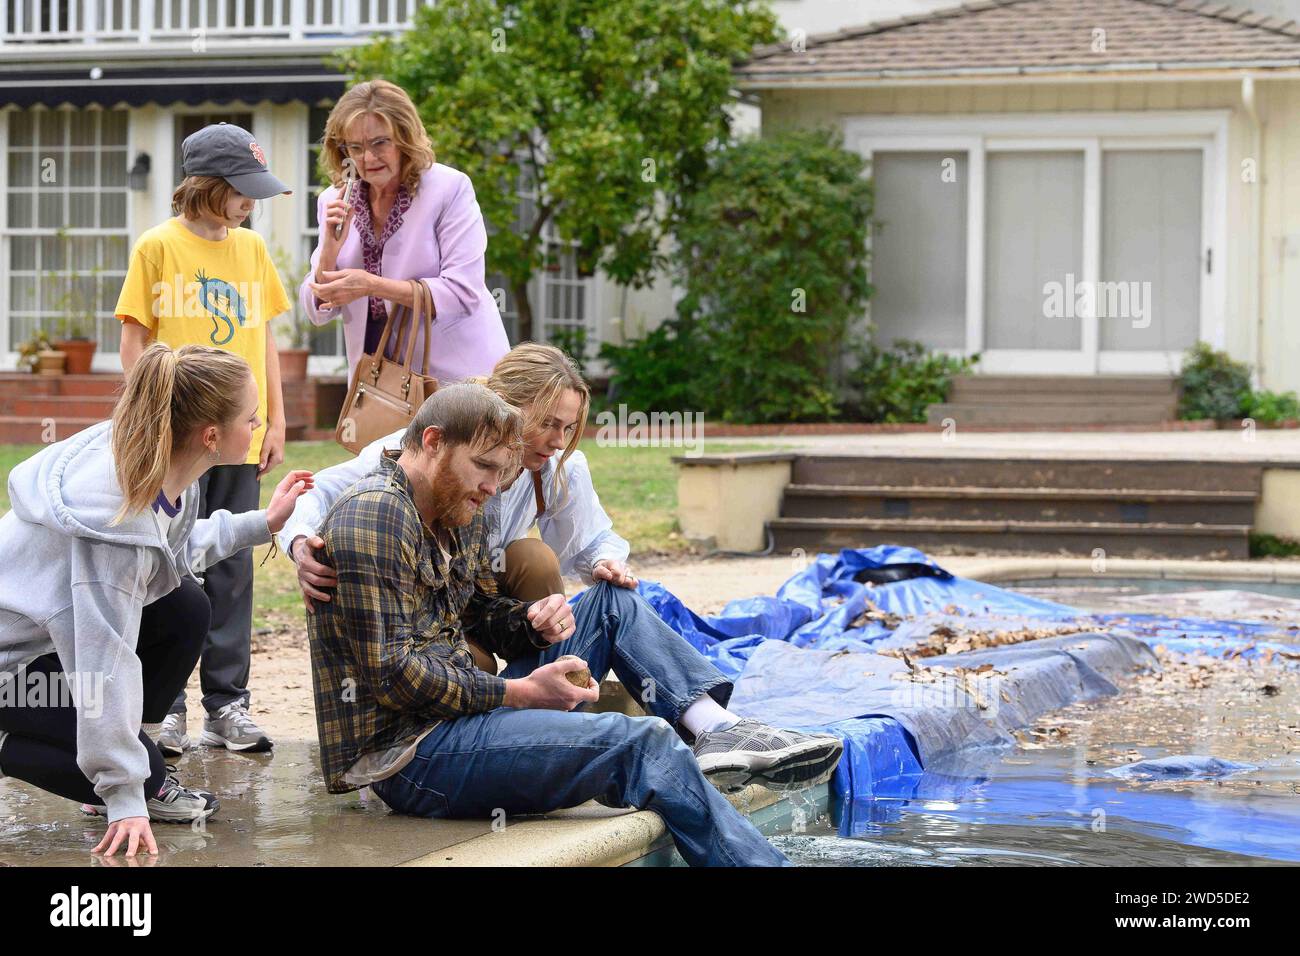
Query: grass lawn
[[637, 486]]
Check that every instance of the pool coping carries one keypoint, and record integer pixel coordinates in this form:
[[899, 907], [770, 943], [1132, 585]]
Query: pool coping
[[1006, 569], [585, 836]]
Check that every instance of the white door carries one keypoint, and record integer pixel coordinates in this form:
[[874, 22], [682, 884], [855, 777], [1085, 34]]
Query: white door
[[1080, 252]]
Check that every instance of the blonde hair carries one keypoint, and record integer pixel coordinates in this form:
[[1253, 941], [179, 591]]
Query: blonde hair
[[533, 376], [197, 195], [389, 102], [168, 394]]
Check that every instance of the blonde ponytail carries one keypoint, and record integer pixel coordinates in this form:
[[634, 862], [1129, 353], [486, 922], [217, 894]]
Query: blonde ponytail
[[168, 394]]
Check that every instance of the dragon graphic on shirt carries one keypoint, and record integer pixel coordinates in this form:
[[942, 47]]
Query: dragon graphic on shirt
[[222, 301]]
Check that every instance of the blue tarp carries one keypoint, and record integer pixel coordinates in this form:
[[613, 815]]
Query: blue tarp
[[809, 658]]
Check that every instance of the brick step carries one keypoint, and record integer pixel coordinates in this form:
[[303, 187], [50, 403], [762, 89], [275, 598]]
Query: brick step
[[25, 429], [1023, 413], [1117, 540], [23, 385], [1038, 472], [970, 503], [63, 406]]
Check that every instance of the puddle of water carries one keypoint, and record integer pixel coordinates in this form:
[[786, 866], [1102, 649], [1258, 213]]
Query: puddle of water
[[274, 812]]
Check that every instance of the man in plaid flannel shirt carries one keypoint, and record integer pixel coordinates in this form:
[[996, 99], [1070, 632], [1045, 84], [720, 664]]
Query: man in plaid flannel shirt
[[401, 706]]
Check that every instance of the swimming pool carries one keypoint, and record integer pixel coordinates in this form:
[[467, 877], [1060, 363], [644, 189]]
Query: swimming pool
[[1052, 799]]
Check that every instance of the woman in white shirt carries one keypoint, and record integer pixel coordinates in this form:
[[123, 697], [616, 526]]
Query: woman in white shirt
[[553, 490]]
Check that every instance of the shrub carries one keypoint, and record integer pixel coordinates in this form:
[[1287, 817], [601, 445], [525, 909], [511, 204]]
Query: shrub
[[771, 256], [1271, 407], [1213, 384], [896, 384]]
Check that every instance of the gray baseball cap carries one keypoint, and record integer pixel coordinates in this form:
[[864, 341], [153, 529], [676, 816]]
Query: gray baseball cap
[[230, 152]]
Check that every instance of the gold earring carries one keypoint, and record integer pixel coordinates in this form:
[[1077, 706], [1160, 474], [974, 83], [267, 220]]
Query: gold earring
[[214, 455]]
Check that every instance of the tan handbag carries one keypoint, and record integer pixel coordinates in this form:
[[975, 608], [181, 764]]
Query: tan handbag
[[385, 393]]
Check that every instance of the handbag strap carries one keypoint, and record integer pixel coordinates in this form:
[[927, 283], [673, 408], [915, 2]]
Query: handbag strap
[[537, 494], [420, 314], [378, 359]]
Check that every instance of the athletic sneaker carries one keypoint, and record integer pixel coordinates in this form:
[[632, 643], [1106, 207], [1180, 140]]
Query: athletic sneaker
[[173, 740], [232, 728], [752, 752], [174, 803]]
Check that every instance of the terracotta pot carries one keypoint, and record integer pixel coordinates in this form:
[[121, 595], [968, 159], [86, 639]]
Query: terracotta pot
[[50, 362], [80, 352], [293, 365]]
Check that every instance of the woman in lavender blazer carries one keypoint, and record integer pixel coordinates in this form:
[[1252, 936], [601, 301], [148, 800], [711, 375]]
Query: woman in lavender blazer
[[409, 218]]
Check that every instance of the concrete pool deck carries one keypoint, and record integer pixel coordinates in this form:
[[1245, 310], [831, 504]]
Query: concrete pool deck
[[275, 811]]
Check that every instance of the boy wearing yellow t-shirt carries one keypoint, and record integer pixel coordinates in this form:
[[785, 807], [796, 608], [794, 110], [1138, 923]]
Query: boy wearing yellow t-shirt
[[198, 279]]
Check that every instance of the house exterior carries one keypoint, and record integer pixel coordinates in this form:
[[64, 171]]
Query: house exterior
[[1070, 187], [90, 89]]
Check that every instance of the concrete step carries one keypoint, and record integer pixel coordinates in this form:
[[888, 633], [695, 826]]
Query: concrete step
[[26, 429], [1155, 386], [972, 503], [916, 471], [60, 407], [1060, 396], [1050, 414], [1145, 540]]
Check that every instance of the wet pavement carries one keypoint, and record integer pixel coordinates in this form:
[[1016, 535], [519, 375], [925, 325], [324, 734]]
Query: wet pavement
[[274, 812]]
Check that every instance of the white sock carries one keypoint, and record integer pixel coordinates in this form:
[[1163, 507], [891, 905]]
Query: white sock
[[152, 730], [706, 716]]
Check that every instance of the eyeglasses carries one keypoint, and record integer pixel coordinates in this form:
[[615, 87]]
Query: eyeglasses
[[377, 147]]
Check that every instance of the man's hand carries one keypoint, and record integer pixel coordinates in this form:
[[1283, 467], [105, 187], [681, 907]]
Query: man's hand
[[615, 572], [313, 577], [272, 448], [548, 689], [341, 286], [552, 618], [135, 831]]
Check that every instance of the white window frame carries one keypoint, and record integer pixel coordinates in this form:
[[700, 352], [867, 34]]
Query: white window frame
[[1092, 133], [102, 361]]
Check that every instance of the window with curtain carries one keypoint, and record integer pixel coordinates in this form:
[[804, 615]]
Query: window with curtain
[[65, 227], [918, 248], [1033, 219]]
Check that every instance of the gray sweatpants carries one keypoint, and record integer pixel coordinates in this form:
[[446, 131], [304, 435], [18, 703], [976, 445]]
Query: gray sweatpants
[[223, 667]]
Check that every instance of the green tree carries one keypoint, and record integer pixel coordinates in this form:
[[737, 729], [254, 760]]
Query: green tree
[[771, 254], [608, 106]]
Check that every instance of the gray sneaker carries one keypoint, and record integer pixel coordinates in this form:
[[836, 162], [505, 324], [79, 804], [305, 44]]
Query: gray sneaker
[[232, 728], [173, 804], [753, 752], [173, 740]]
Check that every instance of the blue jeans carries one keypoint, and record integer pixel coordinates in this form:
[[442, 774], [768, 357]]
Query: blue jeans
[[535, 761]]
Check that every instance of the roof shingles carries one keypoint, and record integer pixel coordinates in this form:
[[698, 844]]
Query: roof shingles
[[1013, 36]]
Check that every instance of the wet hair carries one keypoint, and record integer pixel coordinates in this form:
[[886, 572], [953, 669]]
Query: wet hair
[[168, 395], [468, 414], [390, 103], [197, 196], [534, 377]]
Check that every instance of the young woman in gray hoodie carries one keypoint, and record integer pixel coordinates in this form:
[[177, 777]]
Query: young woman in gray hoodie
[[101, 615]]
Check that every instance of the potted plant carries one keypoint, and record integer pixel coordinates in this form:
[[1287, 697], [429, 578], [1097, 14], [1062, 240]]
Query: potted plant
[[78, 346], [293, 360], [77, 325], [39, 355]]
